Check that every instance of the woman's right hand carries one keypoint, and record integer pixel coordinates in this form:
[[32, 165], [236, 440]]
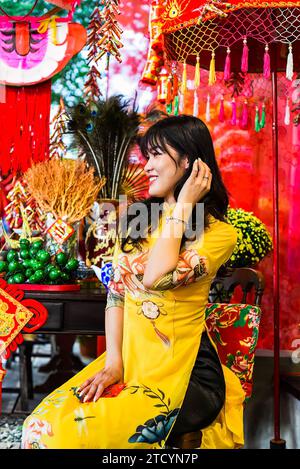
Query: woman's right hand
[[93, 387], [197, 185]]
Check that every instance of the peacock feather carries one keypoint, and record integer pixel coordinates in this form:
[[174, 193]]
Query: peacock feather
[[104, 132]]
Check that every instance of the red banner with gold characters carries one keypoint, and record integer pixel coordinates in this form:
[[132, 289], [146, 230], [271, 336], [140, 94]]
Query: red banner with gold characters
[[17, 315], [13, 317]]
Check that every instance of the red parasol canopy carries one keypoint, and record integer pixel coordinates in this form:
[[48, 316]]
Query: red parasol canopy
[[177, 14], [198, 27]]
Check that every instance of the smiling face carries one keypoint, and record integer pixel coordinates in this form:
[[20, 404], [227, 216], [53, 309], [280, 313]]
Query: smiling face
[[164, 169]]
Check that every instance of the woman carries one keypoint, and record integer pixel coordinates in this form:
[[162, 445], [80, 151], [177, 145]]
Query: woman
[[155, 317]]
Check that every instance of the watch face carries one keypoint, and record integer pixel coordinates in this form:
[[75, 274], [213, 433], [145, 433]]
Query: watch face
[[35, 50]]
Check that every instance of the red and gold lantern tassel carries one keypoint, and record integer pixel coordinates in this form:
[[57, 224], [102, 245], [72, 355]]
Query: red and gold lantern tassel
[[227, 65], [267, 66], [197, 73], [212, 70], [244, 65]]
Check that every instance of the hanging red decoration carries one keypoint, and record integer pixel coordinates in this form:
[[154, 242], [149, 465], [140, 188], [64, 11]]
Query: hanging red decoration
[[26, 140], [109, 32], [31, 52], [6, 184], [92, 90], [155, 59]]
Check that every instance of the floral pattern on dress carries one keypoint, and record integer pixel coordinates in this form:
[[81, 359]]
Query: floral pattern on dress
[[132, 270], [116, 290], [33, 431], [56, 399], [129, 273], [156, 429], [152, 311], [191, 268]]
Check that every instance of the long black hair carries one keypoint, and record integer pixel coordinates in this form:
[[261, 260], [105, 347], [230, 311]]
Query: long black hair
[[190, 138]]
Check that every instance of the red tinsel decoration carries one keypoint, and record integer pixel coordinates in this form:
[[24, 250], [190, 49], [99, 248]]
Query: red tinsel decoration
[[24, 127]]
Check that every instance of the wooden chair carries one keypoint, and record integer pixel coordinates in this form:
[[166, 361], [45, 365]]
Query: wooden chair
[[16, 317], [234, 329], [241, 285]]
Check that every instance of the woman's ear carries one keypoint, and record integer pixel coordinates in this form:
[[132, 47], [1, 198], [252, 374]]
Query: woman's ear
[[186, 163]]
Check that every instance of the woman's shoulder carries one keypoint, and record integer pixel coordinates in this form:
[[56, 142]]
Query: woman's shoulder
[[218, 242], [222, 228]]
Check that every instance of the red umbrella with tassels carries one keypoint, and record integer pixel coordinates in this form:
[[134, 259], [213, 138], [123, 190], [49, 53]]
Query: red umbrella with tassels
[[235, 36]]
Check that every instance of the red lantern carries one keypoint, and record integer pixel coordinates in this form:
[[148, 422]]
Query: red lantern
[[155, 52], [152, 67]]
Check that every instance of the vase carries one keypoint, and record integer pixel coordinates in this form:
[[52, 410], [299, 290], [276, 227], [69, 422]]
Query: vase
[[70, 246], [101, 235]]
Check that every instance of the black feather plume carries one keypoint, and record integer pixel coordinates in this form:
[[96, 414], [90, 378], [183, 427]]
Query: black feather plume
[[105, 131]]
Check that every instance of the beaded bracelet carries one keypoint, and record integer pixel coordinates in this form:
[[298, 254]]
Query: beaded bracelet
[[177, 220]]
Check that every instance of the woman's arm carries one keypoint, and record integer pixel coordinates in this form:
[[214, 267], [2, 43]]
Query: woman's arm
[[112, 372], [163, 257], [114, 316]]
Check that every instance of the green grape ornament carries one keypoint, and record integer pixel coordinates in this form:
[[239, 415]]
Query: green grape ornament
[[3, 266], [61, 259], [72, 265], [12, 256]]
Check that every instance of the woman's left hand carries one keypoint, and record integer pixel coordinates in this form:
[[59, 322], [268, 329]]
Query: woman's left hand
[[93, 387], [197, 185]]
